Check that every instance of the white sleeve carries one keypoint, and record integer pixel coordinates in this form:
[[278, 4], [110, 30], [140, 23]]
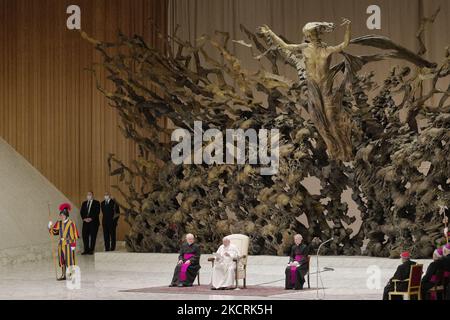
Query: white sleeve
[[235, 252]]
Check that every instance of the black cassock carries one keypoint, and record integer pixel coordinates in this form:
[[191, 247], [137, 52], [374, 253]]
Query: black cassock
[[295, 276], [446, 268], [185, 274], [402, 273], [432, 277]]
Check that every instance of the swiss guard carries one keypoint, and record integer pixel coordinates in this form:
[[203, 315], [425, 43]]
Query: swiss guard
[[68, 235]]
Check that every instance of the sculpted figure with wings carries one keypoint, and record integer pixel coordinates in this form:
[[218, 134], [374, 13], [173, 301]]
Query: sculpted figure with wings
[[312, 59]]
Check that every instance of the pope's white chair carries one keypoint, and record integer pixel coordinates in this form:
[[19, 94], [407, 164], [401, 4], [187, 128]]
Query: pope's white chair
[[242, 243]]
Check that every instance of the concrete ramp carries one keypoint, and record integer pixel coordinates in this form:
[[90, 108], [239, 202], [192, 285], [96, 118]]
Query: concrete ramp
[[24, 194]]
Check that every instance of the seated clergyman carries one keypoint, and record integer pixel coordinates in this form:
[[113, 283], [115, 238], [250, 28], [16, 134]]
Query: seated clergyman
[[188, 263], [298, 264], [433, 275], [224, 270], [402, 273]]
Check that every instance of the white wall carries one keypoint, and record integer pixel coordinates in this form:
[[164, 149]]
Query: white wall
[[24, 195]]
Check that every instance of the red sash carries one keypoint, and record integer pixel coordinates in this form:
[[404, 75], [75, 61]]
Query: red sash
[[294, 269], [185, 266]]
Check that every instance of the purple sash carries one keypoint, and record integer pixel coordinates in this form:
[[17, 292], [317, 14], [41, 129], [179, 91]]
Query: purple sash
[[446, 274], [434, 279], [185, 266], [294, 269]]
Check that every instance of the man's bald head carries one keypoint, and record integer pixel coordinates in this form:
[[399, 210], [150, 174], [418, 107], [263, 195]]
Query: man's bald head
[[226, 241], [298, 238], [190, 238]]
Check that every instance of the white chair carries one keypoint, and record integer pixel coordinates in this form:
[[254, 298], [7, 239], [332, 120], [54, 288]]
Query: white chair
[[242, 243]]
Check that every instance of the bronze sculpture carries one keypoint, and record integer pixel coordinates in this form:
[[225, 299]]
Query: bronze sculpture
[[352, 143], [326, 110]]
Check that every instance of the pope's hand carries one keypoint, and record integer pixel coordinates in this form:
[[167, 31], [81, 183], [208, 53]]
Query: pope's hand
[[50, 224]]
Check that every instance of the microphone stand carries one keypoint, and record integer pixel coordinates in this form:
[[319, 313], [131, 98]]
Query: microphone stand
[[317, 265]]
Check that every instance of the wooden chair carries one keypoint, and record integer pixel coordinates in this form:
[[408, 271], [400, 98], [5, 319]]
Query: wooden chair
[[198, 277], [309, 264], [241, 242], [414, 284]]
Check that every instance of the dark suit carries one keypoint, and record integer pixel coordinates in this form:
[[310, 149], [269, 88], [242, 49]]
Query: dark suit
[[402, 273], [111, 212], [90, 229]]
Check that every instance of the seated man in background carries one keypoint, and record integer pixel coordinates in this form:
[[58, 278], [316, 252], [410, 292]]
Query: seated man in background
[[402, 273], [224, 270], [298, 264], [188, 263], [433, 275]]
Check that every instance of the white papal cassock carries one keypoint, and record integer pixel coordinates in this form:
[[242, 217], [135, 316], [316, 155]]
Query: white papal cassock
[[223, 274]]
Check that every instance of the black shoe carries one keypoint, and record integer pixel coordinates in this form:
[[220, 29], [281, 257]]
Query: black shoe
[[187, 285], [85, 253], [61, 279], [91, 253], [180, 285], [172, 285]]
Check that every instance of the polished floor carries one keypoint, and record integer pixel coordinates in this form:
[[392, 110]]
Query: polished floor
[[106, 275]]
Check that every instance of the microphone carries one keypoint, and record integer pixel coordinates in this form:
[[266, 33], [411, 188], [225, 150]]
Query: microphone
[[317, 265], [326, 242]]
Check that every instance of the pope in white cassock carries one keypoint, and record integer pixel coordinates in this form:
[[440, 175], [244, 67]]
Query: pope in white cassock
[[224, 270]]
